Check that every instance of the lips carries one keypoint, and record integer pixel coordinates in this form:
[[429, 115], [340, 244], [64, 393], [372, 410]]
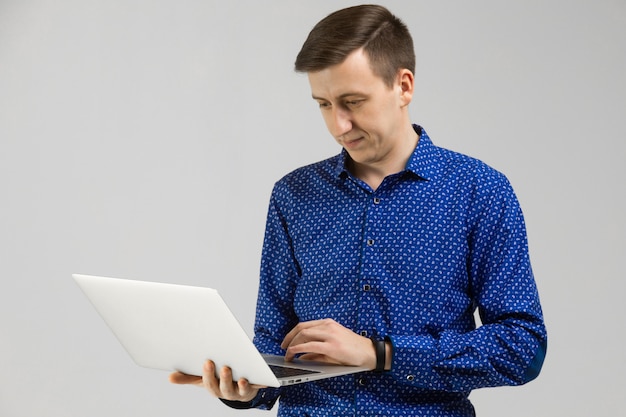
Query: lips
[[352, 142]]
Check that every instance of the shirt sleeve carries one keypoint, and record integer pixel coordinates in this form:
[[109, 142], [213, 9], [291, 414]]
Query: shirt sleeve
[[509, 347]]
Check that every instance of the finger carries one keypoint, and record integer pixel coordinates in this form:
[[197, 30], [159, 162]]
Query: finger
[[319, 358], [244, 388], [297, 330], [290, 336], [181, 378], [319, 333], [309, 334], [227, 385], [210, 381], [248, 391], [315, 347], [322, 348]]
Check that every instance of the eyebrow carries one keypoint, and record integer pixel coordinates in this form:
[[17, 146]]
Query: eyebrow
[[342, 96]]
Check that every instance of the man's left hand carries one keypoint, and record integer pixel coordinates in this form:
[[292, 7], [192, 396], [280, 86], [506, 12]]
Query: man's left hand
[[328, 341]]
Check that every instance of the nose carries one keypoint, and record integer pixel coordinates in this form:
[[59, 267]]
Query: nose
[[338, 122]]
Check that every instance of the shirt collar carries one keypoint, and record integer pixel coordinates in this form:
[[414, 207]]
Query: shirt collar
[[420, 162]]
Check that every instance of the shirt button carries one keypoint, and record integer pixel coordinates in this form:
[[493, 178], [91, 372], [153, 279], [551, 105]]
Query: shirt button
[[362, 382], [367, 287], [410, 378], [364, 333], [370, 242], [376, 200]]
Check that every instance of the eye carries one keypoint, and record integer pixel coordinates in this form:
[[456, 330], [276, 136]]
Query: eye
[[323, 104], [353, 103]]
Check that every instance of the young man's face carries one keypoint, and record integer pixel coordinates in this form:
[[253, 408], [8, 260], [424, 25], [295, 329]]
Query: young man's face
[[365, 116]]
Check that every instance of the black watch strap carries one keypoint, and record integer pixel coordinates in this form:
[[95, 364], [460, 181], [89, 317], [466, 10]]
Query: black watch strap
[[380, 348]]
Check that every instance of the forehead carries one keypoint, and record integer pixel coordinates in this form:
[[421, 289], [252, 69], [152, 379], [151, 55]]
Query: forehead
[[353, 76]]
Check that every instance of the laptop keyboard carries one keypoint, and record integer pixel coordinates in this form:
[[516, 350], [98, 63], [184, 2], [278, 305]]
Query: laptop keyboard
[[283, 371]]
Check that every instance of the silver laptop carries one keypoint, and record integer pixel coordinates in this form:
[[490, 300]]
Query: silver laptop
[[177, 328]]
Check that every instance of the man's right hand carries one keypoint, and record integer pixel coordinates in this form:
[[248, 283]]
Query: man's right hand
[[224, 387]]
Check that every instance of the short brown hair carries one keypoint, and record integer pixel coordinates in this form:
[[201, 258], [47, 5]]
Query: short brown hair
[[384, 38]]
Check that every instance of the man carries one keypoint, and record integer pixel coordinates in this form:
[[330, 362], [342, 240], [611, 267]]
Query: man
[[380, 255]]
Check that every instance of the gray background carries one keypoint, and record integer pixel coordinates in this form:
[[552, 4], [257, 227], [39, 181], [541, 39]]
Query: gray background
[[141, 139]]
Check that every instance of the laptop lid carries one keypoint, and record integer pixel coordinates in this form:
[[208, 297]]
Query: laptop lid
[[177, 328]]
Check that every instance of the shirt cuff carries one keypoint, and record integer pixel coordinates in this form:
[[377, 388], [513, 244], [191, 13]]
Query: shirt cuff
[[265, 399], [239, 405], [413, 359]]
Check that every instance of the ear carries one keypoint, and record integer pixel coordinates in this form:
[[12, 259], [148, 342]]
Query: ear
[[406, 83]]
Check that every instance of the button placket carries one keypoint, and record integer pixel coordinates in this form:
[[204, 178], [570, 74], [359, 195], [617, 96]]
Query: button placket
[[367, 279], [370, 241]]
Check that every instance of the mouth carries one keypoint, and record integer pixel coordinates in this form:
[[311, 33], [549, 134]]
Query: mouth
[[352, 143]]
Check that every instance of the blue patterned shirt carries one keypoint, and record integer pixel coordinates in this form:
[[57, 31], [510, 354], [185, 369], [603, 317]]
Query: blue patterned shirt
[[410, 262]]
